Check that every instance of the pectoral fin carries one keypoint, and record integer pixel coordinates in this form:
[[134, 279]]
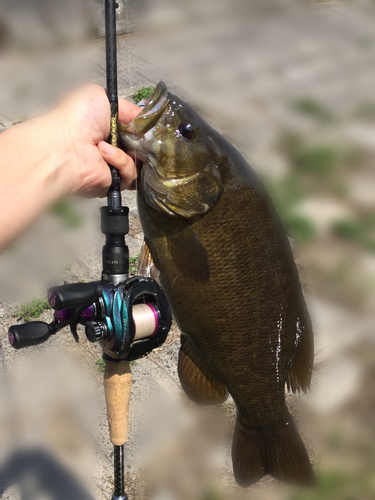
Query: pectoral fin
[[146, 265], [188, 253], [198, 383]]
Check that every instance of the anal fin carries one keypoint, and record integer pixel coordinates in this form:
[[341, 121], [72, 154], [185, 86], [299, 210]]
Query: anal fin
[[198, 383]]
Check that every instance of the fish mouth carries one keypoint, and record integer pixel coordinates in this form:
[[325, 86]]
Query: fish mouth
[[146, 120]]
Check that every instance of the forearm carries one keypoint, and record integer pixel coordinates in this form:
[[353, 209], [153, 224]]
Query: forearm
[[34, 170]]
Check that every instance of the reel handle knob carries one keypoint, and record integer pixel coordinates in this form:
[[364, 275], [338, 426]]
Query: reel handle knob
[[29, 334]]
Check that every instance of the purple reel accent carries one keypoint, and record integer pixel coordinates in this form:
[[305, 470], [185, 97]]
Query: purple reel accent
[[62, 315], [89, 313], [11, 338], [156, 316], [51, 299]]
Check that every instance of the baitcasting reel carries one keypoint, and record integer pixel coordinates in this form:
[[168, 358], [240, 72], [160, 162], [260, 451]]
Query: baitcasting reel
[[130, 317]]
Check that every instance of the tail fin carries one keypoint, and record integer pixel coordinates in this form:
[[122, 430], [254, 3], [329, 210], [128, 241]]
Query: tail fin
[[280, 453]]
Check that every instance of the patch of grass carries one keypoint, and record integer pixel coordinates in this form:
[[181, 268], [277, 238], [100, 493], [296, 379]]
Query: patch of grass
[[286, 195], [65, 210], [228, 407], [348, 229], [143, 93], [287, 192], [319, 161], [335, 485], [31, 310], [300, 228], [361, 232], [310, 107], [100, 364], [314, 168], [132, 363], [133, 265], [302, 280]]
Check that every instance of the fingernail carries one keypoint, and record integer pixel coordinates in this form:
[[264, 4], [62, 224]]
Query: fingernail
[[107, 149]]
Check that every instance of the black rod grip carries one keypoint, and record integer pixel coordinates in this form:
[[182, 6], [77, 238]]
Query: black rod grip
[[73, 295], [29, 334]]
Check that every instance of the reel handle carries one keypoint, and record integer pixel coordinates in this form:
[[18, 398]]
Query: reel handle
[[29, 334], [73, 295]]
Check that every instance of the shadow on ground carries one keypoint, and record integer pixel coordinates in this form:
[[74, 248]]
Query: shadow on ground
[[38, 474]]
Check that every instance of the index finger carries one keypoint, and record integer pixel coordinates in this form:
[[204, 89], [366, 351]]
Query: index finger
[[127, 110]]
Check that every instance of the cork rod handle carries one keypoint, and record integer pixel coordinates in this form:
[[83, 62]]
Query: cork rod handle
[[117, 385]]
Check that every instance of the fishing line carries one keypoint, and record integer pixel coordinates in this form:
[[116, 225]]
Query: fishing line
[[129, 71], [146, 320]]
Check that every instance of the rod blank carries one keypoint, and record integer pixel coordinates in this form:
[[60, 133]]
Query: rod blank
[[114, 193]]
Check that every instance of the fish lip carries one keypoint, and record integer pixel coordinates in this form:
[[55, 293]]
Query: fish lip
[[147, 118], [157, 97]]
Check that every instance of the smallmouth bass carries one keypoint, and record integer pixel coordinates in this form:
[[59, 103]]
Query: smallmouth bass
[[227, 268]]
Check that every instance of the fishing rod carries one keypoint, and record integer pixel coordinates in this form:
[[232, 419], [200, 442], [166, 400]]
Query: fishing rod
[[128, 316]]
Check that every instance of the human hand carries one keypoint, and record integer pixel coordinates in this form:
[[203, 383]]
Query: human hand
[[84, 118], [57, 155]]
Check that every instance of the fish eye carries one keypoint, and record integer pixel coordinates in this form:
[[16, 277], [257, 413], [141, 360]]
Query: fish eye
[[187, 130]]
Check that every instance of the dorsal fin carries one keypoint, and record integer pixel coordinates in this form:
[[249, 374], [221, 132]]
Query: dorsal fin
[[300, 369]]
